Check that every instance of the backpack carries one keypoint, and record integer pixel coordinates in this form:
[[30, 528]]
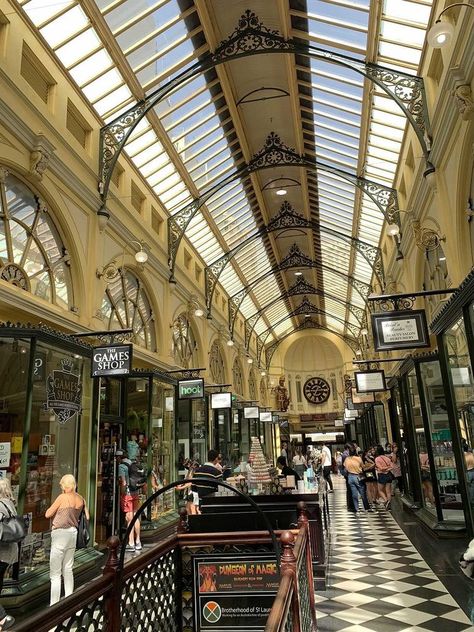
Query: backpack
[[137, 476]]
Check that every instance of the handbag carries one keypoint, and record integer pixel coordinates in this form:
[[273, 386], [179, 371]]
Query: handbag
[[13, 528], [83, 536]]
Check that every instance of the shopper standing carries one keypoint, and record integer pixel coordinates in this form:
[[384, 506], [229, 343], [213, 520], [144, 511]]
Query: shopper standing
[[383, 466], [8, 550], [132, 478], [207, 470], [326, 463], [299, 463], [65, 512], [355, 471]]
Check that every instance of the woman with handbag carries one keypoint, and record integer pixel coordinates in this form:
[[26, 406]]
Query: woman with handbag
[[65, 512], [8, 550], [383, 467]]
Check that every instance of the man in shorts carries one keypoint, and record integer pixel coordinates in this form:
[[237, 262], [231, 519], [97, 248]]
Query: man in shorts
[[129, 500]]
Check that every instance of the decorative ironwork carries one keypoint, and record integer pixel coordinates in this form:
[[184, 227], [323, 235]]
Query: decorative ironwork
[[184, 342], [390, 304], [304, 599], [148, 600], [92, 617], [251, 37], [301, 287], [288, 217], [297, 259], [426, 238], [216, 363], [114, 338], [347, 385], [308, 323], [275, 153]]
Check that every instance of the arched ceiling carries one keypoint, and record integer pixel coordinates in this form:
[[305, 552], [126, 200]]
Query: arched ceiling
[[319, 355], [119, 51]]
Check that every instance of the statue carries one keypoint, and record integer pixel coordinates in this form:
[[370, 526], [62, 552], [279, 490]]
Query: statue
[[281, 392], [463, 97]]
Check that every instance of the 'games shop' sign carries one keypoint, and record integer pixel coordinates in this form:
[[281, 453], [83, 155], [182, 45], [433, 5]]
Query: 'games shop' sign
[[112, 360]]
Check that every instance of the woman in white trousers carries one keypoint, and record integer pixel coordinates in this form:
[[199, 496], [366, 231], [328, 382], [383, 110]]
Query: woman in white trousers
[[65, 512]]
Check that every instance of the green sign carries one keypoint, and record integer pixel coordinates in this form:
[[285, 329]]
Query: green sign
[[191, 389]]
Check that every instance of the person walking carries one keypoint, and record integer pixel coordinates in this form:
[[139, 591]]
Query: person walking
[[355, 469], [299, 463], [65, 512], [396, 470], [349, 500], [383, 467], [8, 550], [132, 477], [368, 461], [327, 465]]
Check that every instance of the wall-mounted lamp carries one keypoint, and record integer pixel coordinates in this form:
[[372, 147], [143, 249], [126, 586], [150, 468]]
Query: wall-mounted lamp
[[230, 342], [441, 33], [249, 360], [364, 331], [111, 270], [263, 373], [141, 256], [194, 308]]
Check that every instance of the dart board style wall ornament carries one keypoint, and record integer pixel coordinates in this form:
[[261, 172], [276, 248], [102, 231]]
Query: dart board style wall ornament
[[316, 390]]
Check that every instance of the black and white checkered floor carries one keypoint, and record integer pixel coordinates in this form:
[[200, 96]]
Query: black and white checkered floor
[[377, 580]]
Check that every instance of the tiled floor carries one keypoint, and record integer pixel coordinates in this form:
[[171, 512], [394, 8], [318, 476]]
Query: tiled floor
[[378, 582]]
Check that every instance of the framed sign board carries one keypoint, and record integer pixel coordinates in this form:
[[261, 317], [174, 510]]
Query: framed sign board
[[191, 389], [370, 381], [221, 400], [400, 330], [251, 412], [362, 398], [110, 360]]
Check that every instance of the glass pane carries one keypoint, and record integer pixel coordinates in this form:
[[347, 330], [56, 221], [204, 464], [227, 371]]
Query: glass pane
[[443, 456], [163, 459], [461, 373], [421, 443]]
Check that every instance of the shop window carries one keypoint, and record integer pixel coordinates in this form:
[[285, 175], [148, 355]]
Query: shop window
[[126, 305], [237, 379], [32, 254], [184, 343], [252, 385], [216, 363]]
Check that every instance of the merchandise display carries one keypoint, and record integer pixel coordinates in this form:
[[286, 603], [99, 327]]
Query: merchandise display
[[258, 471]]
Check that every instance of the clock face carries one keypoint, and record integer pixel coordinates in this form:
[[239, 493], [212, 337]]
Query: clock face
[[15, 275], [316, 390]]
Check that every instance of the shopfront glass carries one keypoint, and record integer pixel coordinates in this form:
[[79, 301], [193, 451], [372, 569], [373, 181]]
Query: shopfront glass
[[461, 374], [400, 433], [423, 461], [441, 442], [192, 432]]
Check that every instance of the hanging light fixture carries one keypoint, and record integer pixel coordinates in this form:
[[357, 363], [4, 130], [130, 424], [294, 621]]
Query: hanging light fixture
[[141, 256], [249, 360], [198, 312], [393, 230], [281, 191], [441, 33], [230, 342], [364, 331]]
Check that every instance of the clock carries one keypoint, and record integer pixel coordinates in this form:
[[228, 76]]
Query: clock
[[316, 390], [15, 275]]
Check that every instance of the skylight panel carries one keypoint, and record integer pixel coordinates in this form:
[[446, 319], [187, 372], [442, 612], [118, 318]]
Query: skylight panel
[[65, 26], [78, 48], [402, 9], [112, 101], [401, 53], [100, 87], [397, 32], [41, 11]]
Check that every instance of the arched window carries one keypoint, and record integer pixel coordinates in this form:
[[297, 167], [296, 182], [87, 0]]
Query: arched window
[[32, 254], [184, 343], [126, 306], [263, 392], [252, 385], [216, 363], [237, 380]]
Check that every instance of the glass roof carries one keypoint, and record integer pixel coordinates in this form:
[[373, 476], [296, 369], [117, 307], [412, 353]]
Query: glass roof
[[119, 51]]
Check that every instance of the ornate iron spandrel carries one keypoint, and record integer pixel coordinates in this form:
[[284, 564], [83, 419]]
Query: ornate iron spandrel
[[386, 304], [148, 601], [247, 335], [251, 37]]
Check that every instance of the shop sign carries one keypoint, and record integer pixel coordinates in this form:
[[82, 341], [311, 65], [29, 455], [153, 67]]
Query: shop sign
[[266, 416], [39, 367], [362, 398], [221, 400], [234, 592], [64, 392], [251, 412], [5, 453], [370, 381], [112, 360], [400, 330], [191, 389]]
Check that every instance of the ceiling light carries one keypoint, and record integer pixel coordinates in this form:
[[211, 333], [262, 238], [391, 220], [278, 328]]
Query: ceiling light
[[440, 34], [249, 360], [230, 342], [298, 273], [443, 258], [393, 230], [280, 191], [198, 312]]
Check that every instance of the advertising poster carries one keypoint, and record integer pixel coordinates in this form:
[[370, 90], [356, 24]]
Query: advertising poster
[[234, 593]]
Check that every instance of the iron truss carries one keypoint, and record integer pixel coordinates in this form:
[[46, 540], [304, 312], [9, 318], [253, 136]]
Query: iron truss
[[275, 153], [289, 218], [300, 287], [309, 323], [294, 259], [252, 37]]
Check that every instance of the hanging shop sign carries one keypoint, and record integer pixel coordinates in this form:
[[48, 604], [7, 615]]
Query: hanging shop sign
[[64, 392], [221, 400], [112, 360], [361, 398], [39, 367], [266, 416], [400, 330], [234, 592], [191, 389], [251, 412], [370, 381]]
